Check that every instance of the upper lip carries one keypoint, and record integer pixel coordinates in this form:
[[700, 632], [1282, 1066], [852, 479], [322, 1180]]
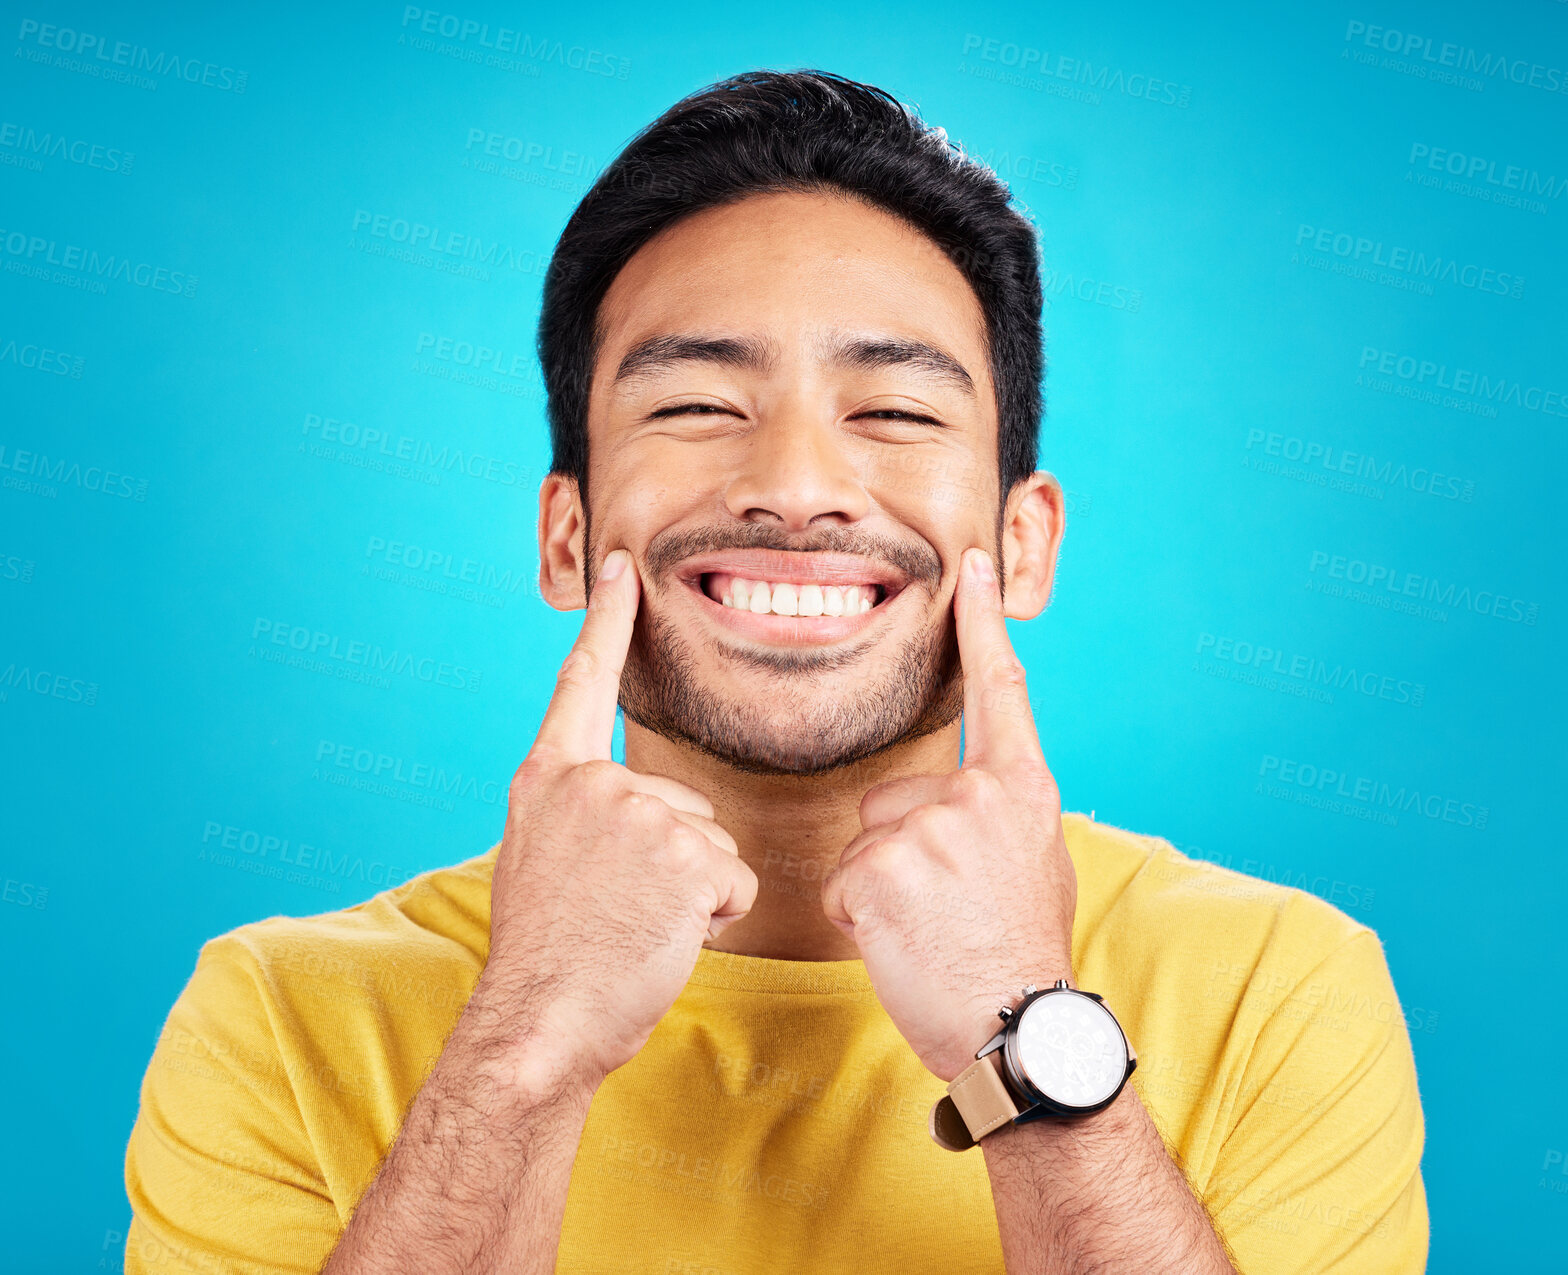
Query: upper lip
[[794, 567]]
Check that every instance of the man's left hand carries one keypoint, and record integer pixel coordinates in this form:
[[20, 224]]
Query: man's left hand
[[960, 891]]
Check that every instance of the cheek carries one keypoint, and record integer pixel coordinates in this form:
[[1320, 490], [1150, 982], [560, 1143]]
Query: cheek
[[944, 493], [654, 486]]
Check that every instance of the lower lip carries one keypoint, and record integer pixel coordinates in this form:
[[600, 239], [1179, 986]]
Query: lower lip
[[788, 630]]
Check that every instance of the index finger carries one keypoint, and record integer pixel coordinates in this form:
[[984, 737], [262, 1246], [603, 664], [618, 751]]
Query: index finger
[[580, 722], [999, 725]]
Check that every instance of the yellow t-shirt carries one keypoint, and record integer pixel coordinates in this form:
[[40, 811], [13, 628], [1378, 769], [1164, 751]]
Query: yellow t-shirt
[[776, 1120]]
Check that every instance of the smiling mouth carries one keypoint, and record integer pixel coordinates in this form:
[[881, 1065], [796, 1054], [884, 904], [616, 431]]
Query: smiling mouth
[[804, 600]]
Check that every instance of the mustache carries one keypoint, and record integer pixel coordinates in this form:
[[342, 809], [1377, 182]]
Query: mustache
[[668, 549]]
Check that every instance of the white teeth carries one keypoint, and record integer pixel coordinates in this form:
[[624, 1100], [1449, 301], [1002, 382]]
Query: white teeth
[[761, 598]]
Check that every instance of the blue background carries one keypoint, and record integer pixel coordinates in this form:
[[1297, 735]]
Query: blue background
[[1205, 356]]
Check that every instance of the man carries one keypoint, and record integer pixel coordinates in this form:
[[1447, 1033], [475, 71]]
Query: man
[[702, 1012]]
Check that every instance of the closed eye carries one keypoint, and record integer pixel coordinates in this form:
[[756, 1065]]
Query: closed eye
[[893, 413], [688, 409], [711, 409]]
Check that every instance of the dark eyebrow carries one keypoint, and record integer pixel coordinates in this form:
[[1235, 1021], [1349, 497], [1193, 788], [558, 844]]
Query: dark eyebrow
[[874, 352], [657, 353], [753, 354]]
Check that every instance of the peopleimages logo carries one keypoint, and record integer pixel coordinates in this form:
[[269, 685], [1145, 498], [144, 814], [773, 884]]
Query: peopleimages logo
[[1337, 783], [109, 55], [376, 766], [372, 448], [1473, 168], [515, 43], [450, 567], [328, 652], [41, 358], [1430, 375], [73, 690], [1358, 466], [1456, 57], [1024, 59], [1369, 255], [30, 147], [522, 150], [417, 236], [32, 255], [1371, 576], [51, 470], [475, 355], [1022, 167], [297, 855], [1310, 670]]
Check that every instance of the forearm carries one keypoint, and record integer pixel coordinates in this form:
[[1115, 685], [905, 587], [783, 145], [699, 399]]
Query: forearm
[[477, 1178], [1097, 1195]]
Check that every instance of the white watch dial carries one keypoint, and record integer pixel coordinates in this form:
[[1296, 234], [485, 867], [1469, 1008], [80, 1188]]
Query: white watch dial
[[1071, 1049]]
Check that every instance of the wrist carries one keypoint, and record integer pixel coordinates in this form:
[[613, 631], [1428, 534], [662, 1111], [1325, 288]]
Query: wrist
[[513, 1042], [1091, 1138], [985, 1018], [1061, 1056]]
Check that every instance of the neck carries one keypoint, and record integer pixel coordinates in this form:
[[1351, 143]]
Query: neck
[[790, 831]]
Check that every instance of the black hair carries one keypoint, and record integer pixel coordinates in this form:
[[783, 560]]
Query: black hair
[[769, 131]]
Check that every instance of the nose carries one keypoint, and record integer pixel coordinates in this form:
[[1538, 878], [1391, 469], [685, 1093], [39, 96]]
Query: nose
[[797, 472]]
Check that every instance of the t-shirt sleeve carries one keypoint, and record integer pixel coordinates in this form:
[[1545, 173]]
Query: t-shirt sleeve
[[1321, 1168], [219, 1169]]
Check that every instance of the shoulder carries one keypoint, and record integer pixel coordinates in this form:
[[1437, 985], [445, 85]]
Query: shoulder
[[1165, 912], [421, 942]]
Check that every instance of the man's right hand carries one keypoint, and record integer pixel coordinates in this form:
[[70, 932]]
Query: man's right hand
[[606, 883]]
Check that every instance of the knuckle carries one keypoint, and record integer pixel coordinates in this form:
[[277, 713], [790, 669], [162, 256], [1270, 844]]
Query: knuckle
[[866, 881], [591, 781], [981, 787], [924, 820], [682, 846], [600, 772], [579, 668], [1006, 672], [882, 858], [629, 809], [523, 780]]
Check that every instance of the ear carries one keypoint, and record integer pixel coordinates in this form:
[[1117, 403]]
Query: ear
[[1031, 535], [561, 543]]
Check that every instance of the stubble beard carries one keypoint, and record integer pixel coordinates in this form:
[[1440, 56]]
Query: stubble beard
[[789, 726]]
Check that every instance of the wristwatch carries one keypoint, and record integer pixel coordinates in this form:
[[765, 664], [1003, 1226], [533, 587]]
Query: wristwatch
[[1061, 1053]]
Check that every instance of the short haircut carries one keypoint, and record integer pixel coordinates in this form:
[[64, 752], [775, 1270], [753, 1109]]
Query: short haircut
[[763, 132]]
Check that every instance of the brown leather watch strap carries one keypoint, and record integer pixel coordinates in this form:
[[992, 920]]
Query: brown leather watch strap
[[977, 1102]]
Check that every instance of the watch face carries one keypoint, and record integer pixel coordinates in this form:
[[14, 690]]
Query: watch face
[[1071, 1048]]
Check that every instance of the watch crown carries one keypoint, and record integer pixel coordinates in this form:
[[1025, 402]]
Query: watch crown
[[1029, 991]]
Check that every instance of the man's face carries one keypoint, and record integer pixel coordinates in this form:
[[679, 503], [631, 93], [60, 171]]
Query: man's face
[[792, 390]]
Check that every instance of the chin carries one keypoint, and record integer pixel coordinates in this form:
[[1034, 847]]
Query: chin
[[772, 749], [788, 726]]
